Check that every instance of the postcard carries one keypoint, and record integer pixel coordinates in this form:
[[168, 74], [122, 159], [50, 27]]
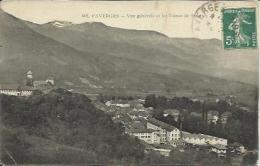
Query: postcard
[[129, 82]]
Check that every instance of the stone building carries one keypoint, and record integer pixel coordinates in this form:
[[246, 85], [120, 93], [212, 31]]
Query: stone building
[[166, 132]]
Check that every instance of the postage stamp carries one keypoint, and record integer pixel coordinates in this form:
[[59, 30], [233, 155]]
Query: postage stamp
[[239, 28]]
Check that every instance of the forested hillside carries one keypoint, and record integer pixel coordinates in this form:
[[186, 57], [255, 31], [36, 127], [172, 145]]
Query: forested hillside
[[62, 127]]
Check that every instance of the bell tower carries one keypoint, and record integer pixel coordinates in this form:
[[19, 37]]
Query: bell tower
[[29, 78]]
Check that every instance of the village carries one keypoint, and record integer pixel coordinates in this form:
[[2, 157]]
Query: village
[[162, 137], [138, 121]]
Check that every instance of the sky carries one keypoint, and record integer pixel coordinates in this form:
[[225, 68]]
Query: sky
[[173, 18]]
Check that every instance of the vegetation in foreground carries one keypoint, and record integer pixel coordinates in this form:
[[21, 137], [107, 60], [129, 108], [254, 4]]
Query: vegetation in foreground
[[62, 127], [65, 128]]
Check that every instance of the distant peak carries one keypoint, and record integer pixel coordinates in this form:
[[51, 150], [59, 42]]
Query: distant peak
[[60, 24], [97, 23]]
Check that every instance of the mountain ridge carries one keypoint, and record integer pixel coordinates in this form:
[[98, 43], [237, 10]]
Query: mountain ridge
[[106, 58], [137, 40]]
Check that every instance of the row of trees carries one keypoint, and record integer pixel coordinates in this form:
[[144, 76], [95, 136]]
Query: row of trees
[[103, 98], [161, 102], [241, 126]]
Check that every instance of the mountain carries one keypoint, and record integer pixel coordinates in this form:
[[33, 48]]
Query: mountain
[[60, 24], [95, 58], [201, 56]]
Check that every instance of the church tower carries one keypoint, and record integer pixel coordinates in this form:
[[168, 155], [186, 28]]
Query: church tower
[[29, 78]]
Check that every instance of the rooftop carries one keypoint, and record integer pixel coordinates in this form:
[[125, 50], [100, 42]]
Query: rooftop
[[198, 136], [29, 72], [196, 114], [140, 130], [139, 113], [172, 111], [236, 144], [213, 113], [219, 146], [226, 114], [15, 87], [161, 124]]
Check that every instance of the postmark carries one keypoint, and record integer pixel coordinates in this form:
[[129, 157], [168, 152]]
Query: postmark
[[239, 28], [207, 17]]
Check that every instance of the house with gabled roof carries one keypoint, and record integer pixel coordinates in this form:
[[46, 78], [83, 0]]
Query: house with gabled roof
[[16, 90], [219, 149], [173, 112], [167, 132], [225, 116], [212, 116], [150, 136], [202, 139]]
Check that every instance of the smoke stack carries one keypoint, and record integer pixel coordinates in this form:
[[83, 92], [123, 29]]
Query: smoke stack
[[181, 128], [203, 111]]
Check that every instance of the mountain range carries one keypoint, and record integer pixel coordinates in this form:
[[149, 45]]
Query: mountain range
[[96, 58]]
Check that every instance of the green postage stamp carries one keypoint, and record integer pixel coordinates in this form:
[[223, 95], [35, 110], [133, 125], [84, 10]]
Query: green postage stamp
[[239, 28]]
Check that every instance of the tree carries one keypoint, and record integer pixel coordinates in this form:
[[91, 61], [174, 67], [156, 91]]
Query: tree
[[161, 102], [234, 129], [150, 101], [250, 159], [222, 106]]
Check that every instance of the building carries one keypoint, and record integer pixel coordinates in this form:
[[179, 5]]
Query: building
[[28, 88], [16, 90], [122, 105], [19, 90], [50, 80], [122, 118], [135, 104], [29, 78], [39, 84], [212, 117], [219, 149], [173, 112], [202, 139], [237, 147], [138, 114], [167, 132], [178, 143], [244, 109], [196, 114], [224, 117], [162, 149], [148, 135], [44, 84]]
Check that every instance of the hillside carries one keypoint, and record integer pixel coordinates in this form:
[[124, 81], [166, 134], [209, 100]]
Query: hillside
[[96, 58], [62, 127], [200, 56]]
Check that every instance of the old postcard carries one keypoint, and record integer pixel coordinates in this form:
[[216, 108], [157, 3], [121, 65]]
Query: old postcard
[[129, 82]]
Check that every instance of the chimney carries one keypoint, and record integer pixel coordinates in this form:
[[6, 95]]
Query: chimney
[[181, 128], [203, 111]]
